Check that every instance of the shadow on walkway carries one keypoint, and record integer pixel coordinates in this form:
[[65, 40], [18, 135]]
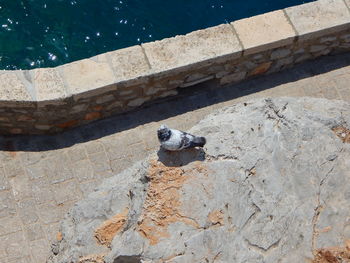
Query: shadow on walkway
[[189, 99]]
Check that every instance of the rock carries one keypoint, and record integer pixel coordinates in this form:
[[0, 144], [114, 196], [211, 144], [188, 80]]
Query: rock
[[261, 69], [271, 185]]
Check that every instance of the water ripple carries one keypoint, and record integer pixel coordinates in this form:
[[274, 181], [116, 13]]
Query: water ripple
[[47, 33]]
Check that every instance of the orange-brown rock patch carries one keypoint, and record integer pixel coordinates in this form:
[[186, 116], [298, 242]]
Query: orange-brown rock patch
[[107, 231], [59, 236], [162, 204], [216, 217], [333, 254], [92, 259], [92, 115], [67, 124], [261, 69], [343, 133]]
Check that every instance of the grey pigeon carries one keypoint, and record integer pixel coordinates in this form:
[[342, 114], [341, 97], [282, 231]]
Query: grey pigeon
[[175, 140]]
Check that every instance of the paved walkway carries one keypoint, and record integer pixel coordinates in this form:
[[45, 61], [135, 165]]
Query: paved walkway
[[41, 177]]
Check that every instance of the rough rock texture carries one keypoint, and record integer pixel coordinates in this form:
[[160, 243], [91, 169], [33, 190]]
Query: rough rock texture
[[272, 185]]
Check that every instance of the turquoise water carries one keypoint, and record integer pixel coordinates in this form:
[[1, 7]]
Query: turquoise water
[[47, 33]]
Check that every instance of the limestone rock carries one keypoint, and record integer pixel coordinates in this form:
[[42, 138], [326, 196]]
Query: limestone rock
[[271, 185]]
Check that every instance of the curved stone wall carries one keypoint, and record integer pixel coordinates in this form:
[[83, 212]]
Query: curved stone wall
[[49, 100]]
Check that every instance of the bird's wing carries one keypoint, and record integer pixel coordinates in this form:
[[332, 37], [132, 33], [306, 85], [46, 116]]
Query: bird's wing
[[186, 140]]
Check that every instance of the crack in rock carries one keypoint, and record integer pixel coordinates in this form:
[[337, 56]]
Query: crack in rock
[[318, 209], [261, 249]]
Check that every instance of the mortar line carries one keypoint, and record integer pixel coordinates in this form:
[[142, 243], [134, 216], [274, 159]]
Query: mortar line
[[236, 34], [66, 87], [146, 57], [292, 25], [110, 65], [348, 7]]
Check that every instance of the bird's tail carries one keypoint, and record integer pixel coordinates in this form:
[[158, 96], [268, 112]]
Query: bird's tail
[[199, 141]]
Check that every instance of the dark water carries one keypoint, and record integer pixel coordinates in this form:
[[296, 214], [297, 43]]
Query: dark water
[[47, 33]]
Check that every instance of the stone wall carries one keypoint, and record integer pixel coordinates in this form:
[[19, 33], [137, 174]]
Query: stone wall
[[49, 100]]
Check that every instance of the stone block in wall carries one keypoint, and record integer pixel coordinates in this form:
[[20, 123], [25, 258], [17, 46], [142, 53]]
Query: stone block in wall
[[319, 18], [328, 39], [280, 53], [345, 46], [49, 87], [13, 88], [193, 48], [302, 58], [137, 102], [281, 64], [261, 69], [168, 93], [89, 77], [129, 64], [195, 82], [263, 32], [345, 37], [233, 78], [317, 48], [105, 98]]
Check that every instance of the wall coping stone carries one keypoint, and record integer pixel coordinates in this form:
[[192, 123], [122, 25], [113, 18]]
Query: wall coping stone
[[113, 82], [319, 18], [260, 33], [195, 47]]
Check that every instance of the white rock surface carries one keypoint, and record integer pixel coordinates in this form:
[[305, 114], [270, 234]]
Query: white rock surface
[[272, 185]]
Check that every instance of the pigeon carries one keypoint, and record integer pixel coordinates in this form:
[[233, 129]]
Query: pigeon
[[175, 140]]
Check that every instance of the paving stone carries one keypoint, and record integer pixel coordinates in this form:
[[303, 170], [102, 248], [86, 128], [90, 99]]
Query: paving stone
[[15, 245], [41, 191], [330, 93], [58, 167], [119, 165], [344, 93], [13, 167], [9, 225], [100, 162], [94, 147], [21, 187], [26, 259], [77, 153], [51, 231], [29, 158], [5, 157], [7, 204], [114, 152], [4, 182], [88, 187], [36, 170], [34, 232], [313, 91], [137, 151], [83, 170], [27, 211], [342, 81], [50, 213], [65, 192], [40, 250], [103, 174]]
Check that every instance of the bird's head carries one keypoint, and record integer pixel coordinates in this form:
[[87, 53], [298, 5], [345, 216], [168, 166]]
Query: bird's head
[[163, 132]]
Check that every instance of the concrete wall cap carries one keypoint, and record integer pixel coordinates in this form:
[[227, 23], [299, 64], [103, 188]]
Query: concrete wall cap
[[263, 32], [319, 18]]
